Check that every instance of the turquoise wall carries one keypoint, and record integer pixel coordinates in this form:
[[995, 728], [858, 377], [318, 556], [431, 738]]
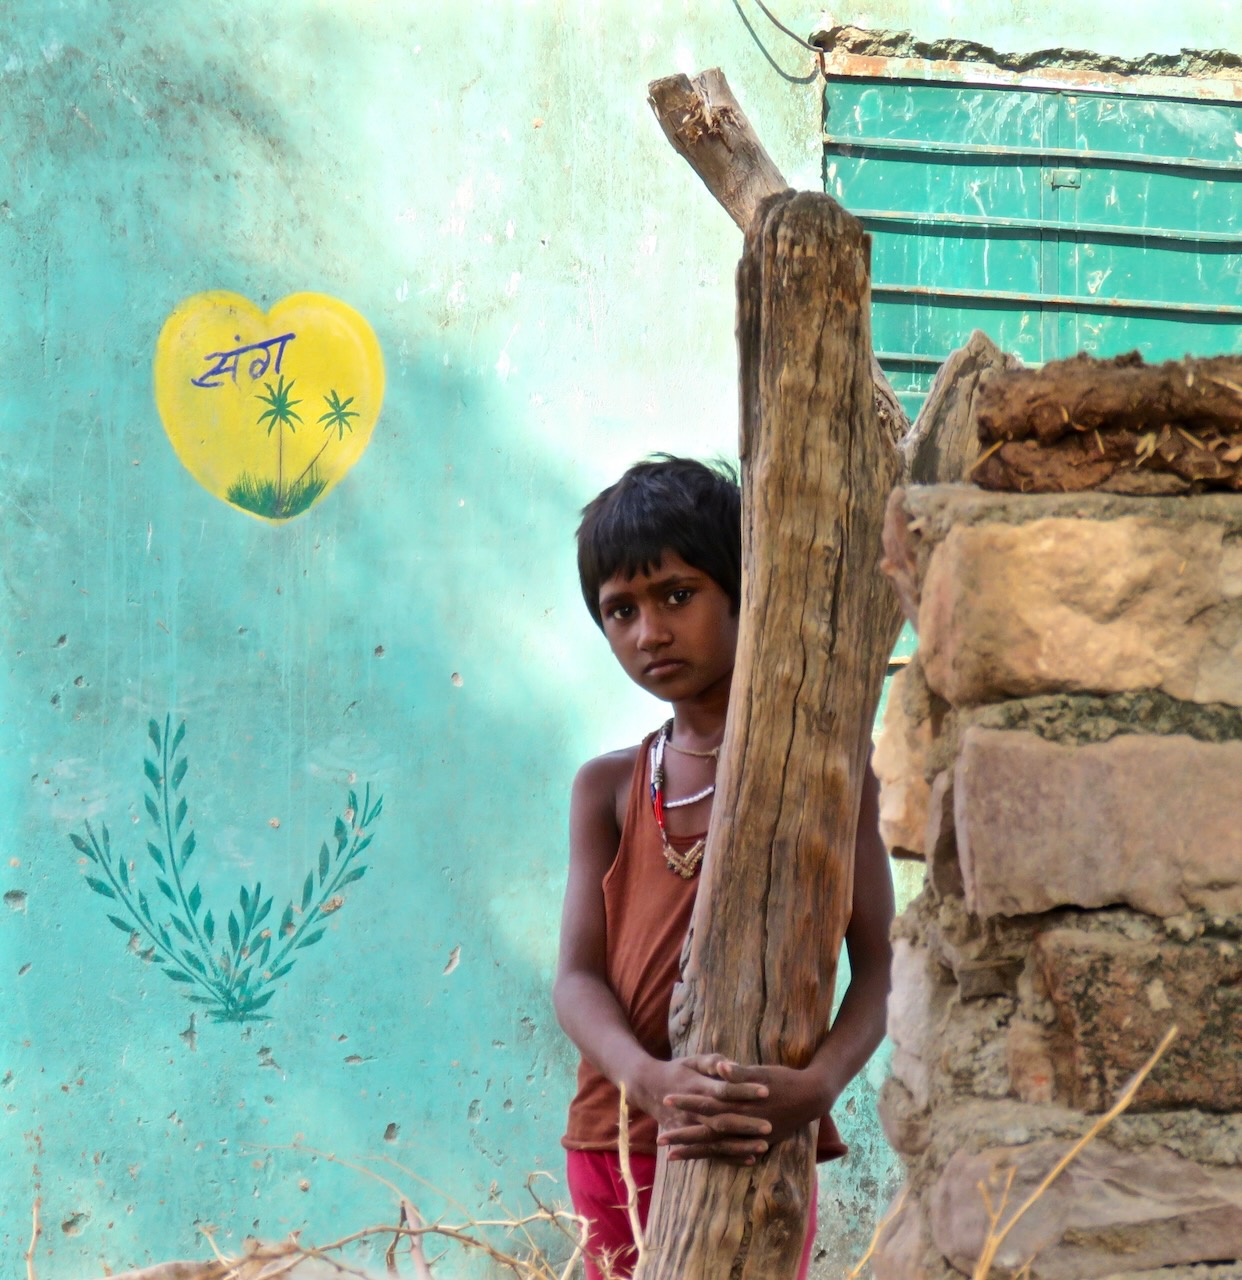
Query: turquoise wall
[[552, 294]]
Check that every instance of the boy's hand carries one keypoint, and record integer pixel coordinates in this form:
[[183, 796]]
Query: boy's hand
[[790, 1100], [718, 1105]]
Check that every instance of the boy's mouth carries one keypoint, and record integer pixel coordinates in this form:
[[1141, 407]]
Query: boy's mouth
[[663, 667]]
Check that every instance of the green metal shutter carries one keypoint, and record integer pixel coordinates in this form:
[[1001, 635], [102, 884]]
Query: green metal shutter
[[1055, 219]]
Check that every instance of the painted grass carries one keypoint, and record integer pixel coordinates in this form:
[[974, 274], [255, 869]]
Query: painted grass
[[261, 495]]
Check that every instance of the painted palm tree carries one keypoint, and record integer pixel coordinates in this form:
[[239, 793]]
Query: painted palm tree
[[285, 501], [338, 417], [278, 415]]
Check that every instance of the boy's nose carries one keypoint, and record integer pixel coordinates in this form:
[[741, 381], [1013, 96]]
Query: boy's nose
[[652, 632]]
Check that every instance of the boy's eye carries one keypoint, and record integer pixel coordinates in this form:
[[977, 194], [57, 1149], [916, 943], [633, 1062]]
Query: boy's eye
[[681, 595], [621, 612]]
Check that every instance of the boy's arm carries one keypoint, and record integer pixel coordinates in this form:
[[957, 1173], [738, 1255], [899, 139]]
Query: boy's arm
[[585, 1004], [796, 1097]]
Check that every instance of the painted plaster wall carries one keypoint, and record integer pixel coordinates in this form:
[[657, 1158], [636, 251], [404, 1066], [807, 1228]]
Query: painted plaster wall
[[552, 294]]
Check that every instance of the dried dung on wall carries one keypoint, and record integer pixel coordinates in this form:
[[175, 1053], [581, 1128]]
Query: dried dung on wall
[[1118, 425]]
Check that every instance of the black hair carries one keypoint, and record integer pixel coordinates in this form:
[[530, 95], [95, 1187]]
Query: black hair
[[663, 504]]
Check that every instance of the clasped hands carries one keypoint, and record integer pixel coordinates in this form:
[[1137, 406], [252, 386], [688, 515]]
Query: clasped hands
[[709, 1106]]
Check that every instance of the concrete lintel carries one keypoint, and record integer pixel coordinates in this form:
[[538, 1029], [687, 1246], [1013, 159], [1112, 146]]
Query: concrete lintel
[[850, 51]]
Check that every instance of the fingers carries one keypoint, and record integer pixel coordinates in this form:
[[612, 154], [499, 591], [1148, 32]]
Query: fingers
[[700, 1104], [706, 1064], [715, 1135], [734, 1150], [710, 1083], [696, 1104], [691, 1128], [702, 1091], [736, 1138], [716, 1098], [736, 1073]]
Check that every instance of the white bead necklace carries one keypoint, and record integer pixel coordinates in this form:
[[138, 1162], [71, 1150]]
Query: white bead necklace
[[684, 864]]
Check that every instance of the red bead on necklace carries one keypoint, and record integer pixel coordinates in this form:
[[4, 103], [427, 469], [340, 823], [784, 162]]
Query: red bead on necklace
[[684, 864]]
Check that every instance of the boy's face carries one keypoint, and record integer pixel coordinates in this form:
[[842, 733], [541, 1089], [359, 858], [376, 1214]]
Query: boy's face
[[673, 629]]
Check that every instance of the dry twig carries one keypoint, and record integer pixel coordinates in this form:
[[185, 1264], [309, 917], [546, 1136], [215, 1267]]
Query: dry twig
[[880, 1227], [260, 1261], [983, 457], [36, 1230], [996, 1238], [627, 1176], [410, 1217]]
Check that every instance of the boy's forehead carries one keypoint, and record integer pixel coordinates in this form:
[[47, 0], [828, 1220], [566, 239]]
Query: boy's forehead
[[670, 564]]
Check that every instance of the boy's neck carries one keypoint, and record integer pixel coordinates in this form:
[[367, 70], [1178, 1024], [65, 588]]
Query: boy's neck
[[700, 721]]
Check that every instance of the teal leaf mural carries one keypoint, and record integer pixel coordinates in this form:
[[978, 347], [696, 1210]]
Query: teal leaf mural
[[233, 979]]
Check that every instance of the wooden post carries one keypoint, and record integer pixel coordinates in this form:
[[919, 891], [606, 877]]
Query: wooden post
[[710, 131], [705, 124], [819, 427], [760, 960], [943, 443]]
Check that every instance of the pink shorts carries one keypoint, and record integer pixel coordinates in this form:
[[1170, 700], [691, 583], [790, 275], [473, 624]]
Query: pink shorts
[[599, 1195]]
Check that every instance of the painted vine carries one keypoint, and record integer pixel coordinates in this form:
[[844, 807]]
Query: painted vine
[[230, 970]]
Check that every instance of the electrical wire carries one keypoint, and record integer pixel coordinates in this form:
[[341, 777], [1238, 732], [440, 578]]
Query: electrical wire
[[793, 35]]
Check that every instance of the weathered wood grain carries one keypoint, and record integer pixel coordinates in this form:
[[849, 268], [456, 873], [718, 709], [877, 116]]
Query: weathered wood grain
[[943, 443], [760, 961], [707, 127]]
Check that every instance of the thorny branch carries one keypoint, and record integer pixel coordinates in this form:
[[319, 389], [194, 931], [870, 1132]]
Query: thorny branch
[[412, 1218], [271, 1261], [627, 1176]]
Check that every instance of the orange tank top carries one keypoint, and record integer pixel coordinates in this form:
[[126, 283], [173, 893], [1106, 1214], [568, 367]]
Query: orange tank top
[[646, 915], [647, 910]]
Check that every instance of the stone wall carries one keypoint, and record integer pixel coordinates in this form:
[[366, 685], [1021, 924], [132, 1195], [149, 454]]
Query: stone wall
[[1065, 751]]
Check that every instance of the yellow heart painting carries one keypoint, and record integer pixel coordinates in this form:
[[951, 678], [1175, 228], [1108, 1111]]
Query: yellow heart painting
[[268, 410]]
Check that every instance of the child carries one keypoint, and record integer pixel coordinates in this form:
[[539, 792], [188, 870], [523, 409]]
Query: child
[[659, 559]]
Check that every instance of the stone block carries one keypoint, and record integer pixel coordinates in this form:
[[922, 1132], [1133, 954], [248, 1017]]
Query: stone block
[[1115, 998], [983, 979], [900, 760], [986, 957], [1110, 1209], [1203, 1137], [902, 545], [902, 1247], [967, 1058], [1031, 1072], [1070, 604], [906, 1125], [940, 841], [913, 1007], [1154, 822]]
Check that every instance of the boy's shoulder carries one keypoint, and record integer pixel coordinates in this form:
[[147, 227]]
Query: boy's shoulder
[[604, 781], [613, 767]]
